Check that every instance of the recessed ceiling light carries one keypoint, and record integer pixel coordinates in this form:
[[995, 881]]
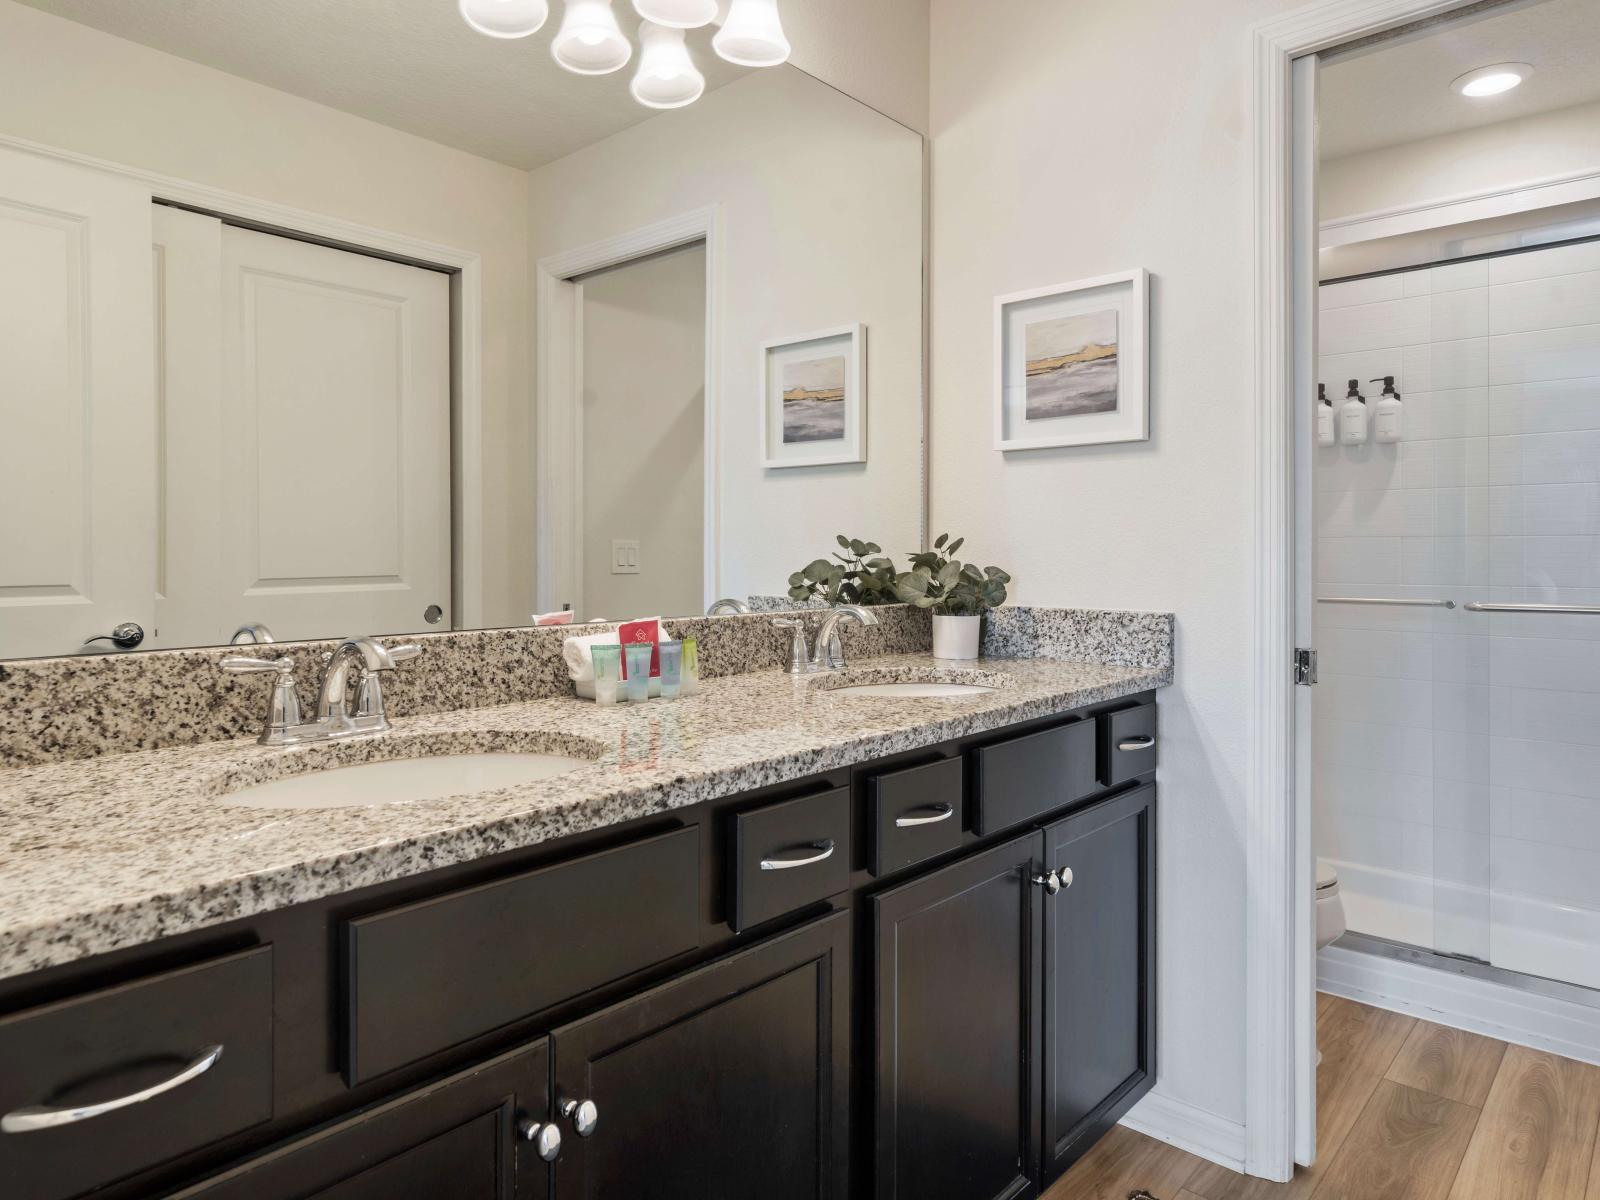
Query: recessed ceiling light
[[1491, 81]]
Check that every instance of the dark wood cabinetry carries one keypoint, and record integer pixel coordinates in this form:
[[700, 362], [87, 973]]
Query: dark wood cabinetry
[[460, 1137], [924, 977], [956, 1025], [1099, 973], [728, 1083]]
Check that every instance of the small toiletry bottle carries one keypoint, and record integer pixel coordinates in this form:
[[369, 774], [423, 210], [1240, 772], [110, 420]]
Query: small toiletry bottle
[[1386, 413], [671, 669], [637, 655], [1325, 422], [1353, 417], [607, 673], [691, 667]]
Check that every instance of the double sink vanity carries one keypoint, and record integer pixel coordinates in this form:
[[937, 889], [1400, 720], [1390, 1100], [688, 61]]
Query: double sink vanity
[[884, 931]]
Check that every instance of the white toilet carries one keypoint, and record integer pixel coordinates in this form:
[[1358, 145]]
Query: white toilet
[[1330, 908]]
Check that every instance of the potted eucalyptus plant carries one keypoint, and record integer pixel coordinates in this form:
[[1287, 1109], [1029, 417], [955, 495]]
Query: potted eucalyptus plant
[[860, 576], [958, 593]]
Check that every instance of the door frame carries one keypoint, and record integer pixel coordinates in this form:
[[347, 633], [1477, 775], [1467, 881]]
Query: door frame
[[1279, 941], [465, 269], [558, 383]]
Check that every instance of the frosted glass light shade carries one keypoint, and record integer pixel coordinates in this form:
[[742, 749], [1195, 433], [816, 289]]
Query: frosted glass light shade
[[752, 36], [505, 18], [589, 41], [677, 14], [666, 77]]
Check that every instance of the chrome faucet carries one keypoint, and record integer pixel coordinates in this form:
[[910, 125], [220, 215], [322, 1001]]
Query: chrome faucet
[[284, 725], [718, 607], [829, 652]]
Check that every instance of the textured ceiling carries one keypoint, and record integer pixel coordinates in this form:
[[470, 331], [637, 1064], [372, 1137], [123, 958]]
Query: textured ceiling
[[410, 64], [1400, 91]]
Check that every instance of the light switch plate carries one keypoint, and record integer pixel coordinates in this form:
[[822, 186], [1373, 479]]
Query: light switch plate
[[624, 557]]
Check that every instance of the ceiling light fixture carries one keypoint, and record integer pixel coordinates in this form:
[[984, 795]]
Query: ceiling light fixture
[[677, 14], [752, 36], [667, 77], [1491, 81], [505, 18], [589, 41]]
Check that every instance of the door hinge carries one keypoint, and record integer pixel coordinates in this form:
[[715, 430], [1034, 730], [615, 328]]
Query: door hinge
[[1305, 667]]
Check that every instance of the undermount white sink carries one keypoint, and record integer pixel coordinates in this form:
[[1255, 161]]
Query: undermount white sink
[[927, 688], [402, 780]]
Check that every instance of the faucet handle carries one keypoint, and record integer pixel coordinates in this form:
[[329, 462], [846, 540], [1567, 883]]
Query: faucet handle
[[369, 692], [400, 654], [799, 652], [283, 711]]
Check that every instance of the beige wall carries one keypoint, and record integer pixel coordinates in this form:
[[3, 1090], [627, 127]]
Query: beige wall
[[1504, 154], [644, 372], [821, 219], [1071, 140], [876, 51], [66, 85]]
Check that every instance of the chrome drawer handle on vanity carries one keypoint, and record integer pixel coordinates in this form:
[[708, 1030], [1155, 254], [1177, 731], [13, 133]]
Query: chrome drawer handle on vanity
[[813, 853], [24, 1120], [930, 815], [1143, 742]]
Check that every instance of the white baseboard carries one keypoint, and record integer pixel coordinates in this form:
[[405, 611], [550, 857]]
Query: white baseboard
[[1483, 1006], [1188, 1127]]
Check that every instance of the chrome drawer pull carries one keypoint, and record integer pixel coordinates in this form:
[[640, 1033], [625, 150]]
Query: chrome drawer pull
[[823, 849], [23, 1120], [932, 814], [1143, 742]]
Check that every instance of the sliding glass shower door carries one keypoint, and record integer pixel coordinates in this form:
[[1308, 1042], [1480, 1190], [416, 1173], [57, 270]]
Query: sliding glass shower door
[[1457, 733]]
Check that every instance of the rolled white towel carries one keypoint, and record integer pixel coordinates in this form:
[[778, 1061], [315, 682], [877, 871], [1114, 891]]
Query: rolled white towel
[[564, 617]]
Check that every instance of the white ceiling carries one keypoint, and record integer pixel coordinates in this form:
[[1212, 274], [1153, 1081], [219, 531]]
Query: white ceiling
[[1400, 91], [410, 64]]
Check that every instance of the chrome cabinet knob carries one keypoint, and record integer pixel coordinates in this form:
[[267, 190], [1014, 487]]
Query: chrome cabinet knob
[[1065, 875], [545, 1136], [583, 1114], [1050, 882]]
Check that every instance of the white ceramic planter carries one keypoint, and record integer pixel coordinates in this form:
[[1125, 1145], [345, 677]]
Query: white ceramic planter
[[955, 637]]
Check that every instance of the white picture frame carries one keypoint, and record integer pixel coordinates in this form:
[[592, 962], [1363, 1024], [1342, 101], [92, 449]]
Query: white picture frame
[[798, 430], [1097, 392]]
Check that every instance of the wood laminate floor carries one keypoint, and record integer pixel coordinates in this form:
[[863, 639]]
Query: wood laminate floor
[[1406, 1110]]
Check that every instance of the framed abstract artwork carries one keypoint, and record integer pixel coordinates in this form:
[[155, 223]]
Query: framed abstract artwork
[[1071, 364], [814, 402]]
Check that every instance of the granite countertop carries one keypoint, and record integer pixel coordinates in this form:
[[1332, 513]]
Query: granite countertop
[[104, 853]]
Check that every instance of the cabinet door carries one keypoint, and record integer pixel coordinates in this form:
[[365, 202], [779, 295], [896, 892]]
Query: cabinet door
[[460, 1137], [957, 1017], [1099, 981], [727, 1083]]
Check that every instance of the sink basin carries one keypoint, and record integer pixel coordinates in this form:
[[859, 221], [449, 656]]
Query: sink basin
[[403, 780], [928, 688]]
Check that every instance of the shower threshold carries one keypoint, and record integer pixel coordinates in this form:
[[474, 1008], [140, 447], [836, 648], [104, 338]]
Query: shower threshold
[[1471, 968]]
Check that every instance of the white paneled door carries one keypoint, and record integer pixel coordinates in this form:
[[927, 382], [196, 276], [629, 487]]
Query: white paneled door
[[307, 430], [77, 429]]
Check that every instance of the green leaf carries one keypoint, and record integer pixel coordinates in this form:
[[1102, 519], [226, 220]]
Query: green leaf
[[842, 540], [954, 546], [939, 541]]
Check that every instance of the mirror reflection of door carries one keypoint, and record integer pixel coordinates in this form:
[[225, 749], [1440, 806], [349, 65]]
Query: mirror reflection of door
[[643, 505], [304, 417]]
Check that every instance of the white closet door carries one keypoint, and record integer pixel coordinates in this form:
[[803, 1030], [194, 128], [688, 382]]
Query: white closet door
[[77, 428], [335, 425]]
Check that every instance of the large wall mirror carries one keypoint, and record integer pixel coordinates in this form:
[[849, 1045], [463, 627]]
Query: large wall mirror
[[322, 319]]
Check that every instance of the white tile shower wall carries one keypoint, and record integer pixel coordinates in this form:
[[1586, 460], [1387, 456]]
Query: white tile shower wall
[[1457, 778]]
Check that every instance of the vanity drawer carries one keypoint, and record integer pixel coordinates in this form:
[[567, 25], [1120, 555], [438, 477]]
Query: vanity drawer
[[1025, 777], [916, 813], [426, 976], [195, 1043], [788, 855], [1127, 744]]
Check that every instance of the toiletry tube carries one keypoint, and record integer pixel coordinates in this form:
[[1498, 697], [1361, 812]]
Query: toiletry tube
[[671, 658], [576, 652], [607, 672], [636, 662], [691, 667]]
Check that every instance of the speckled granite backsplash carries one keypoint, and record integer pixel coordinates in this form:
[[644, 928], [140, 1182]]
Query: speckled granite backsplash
[[70, 708], [80, 707]]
